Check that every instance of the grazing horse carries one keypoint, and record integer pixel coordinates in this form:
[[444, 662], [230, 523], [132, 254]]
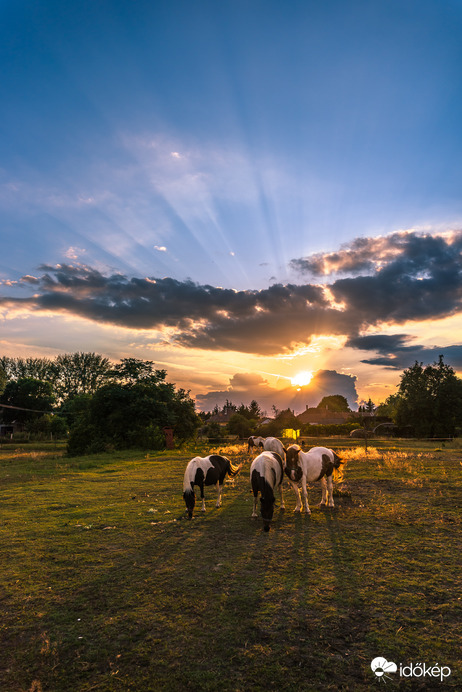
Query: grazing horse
[[266, 474], [272, 444], [317, 464], [201, 471], [255, 441]]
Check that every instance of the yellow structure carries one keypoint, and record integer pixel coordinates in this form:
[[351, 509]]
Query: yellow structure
[[291, 433]]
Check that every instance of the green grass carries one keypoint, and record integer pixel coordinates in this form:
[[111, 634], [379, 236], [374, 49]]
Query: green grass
[[107, 586]]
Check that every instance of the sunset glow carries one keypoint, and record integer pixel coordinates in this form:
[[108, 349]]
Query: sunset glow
[[254, 216], [302, 378]]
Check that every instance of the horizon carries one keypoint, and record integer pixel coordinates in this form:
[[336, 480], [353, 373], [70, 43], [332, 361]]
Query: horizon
[[247, 195]]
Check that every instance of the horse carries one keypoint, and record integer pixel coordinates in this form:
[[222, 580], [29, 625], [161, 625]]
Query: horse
[[255, 441], [266, 474], [317, 464], [272, 444], [202, 471]]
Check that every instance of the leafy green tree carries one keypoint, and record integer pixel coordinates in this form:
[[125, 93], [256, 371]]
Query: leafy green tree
[[80, 373], [132, 370], [251, 412], [334, 402], [388, 408], [213, 429], [430, 399], [23, 368], [240, 425], [3, 379], [134, 415], [26, 396]]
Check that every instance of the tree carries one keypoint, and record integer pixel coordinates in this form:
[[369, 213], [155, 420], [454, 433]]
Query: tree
[[133, 414], [240, 425], [334, 402], [430, 399], [132, 370], [80, 373], [22, 368], [3, 379], [370, 406], [388, 408], [26, 396]]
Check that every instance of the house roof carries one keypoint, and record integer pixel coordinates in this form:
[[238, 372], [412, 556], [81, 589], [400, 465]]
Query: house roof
[[322, 416]]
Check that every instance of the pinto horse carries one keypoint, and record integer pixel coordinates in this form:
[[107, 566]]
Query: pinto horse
[[255, 441], [202, 471], [272, 444], [317, 464], [266, 474]]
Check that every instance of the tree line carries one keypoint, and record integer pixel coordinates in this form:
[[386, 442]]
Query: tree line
[[102, 405]]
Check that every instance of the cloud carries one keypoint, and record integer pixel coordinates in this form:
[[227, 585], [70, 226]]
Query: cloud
[[417, 277], [73, 253], [397, 351], [243, 387]]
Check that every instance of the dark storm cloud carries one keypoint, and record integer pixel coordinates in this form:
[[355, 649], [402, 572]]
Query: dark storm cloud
[[396, 278], [397, 352]]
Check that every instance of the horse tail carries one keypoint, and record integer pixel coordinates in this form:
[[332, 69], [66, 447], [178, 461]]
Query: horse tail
[[337, 460], [233, 470], [338, 470]]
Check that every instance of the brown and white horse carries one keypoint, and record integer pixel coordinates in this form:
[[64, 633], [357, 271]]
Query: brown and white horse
[[317, 464], [266, 475], [202, 471], [255, 441]]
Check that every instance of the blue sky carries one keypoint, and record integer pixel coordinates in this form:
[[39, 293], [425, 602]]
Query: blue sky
[[236, 146]]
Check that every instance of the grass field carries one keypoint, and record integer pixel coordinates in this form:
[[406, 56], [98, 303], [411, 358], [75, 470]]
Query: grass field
[[105, 585]]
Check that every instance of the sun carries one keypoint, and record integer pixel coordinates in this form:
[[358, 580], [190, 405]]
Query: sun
[[302, 378]]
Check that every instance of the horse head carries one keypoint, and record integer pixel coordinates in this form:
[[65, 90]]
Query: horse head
[[190, 500], [267, 510], [293, 466]]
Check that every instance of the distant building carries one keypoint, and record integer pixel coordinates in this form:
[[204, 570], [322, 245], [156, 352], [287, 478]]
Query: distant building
[[322, 416], [223, 417]]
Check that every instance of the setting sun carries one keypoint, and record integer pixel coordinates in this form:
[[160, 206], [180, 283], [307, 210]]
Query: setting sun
[[302, 378]]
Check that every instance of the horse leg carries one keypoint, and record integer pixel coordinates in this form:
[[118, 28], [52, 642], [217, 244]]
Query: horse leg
[[282, 497], [330, 491], [324, 491], [294, 485], [305, 496], [254, 511], [202, 497], [219, 487]]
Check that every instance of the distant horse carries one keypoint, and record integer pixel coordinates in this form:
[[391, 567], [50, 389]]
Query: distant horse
[[255, 441], [266, 474], [202, 471], [317, 464], [272, 444]]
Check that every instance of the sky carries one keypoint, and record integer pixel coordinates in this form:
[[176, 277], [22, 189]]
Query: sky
[[262, 197]]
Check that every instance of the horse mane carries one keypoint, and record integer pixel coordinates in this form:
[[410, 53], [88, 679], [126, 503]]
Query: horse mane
[[189, 474]]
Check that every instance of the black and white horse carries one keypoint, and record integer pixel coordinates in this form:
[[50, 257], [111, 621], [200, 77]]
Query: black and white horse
[[202, 471], [255, 441], [272, 444], [317, 464], [266, 475]]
